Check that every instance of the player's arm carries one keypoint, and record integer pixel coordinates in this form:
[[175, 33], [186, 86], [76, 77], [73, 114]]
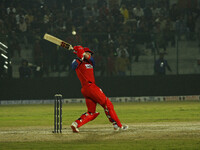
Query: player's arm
[[81, 54], [87, 55], [89, 58], [75, 63]]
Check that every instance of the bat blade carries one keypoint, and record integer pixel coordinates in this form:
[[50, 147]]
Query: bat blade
[[57, 41]]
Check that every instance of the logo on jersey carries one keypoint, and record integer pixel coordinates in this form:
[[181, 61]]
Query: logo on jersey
[[88, 66]]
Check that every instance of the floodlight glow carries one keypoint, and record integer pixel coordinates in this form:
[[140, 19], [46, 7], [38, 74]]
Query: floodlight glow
[[4, 56], [5, 67], [3, 50], [3, 45]]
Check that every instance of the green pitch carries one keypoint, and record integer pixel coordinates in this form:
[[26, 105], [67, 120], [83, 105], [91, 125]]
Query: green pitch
[[152, 125]]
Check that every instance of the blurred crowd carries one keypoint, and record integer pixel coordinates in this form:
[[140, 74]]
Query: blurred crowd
[[118, 31]]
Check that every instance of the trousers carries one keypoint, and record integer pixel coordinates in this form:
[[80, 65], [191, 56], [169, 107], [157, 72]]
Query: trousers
[[93, 96]]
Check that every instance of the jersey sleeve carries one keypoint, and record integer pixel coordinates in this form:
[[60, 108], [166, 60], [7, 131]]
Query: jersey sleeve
[[75, 64], [91, 60]]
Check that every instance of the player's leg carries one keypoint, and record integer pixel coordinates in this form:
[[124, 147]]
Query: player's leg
[[90, 115], [91, 105], [97, 95], [111, 114]]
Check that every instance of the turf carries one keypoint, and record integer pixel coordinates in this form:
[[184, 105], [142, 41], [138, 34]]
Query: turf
[[114, 145], [142, 117]]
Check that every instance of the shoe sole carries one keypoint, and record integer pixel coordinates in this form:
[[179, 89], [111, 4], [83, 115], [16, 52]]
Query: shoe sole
[[74, 129], [125, 128]]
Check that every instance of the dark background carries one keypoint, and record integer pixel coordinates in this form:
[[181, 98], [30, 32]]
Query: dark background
[[168, 27], [113, 87]]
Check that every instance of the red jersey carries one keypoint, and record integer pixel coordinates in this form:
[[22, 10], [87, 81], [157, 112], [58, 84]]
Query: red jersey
[[84, 70]]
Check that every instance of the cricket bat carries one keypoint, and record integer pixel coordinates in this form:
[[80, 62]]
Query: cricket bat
[[57, 41]]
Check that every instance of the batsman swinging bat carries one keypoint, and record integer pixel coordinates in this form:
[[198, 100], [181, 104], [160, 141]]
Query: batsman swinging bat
[[57, 41]]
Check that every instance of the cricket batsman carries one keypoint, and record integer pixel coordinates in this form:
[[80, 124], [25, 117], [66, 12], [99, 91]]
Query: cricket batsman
[[83, 65]]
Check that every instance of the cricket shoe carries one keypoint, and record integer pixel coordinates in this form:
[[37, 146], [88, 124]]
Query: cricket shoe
[[116, 127], [74, 127], [123, 128]]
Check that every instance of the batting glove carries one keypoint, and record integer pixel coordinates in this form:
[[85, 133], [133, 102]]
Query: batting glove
[[79, 51]]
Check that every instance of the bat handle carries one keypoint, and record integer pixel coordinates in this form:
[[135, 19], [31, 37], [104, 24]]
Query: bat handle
[[70, 47]]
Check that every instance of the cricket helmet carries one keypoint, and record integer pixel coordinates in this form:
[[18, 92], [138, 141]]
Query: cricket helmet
[[86, 49], [76, 48]]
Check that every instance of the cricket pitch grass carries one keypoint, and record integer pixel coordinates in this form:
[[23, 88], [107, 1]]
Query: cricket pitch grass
[[152, 126]]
